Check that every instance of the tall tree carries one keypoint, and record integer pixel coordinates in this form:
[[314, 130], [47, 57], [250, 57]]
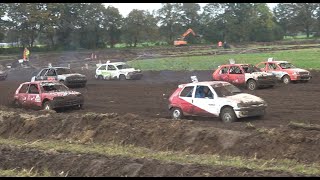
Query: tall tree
[[138, 26], [168, 16], [112, 23]]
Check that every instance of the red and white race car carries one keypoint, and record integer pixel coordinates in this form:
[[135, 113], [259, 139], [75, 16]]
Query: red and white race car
[[246, 75], [285, 71], [47, 95], [214, 99]]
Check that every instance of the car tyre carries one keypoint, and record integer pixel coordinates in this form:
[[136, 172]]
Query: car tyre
[[100, 77], [16, 104], [227, 115], [252, 84], [47, 106], [286, 79], [122, 77], [176, 113]]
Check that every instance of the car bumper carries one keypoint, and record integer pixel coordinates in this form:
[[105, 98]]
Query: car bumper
[[267, 81], [70, 83], [250, 111], [67, 102], [135, 76], [3, 76], [302, 78]]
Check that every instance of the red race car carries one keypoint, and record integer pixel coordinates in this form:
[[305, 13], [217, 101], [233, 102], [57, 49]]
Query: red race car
[[244, 75], [47, 95], [285, 71]]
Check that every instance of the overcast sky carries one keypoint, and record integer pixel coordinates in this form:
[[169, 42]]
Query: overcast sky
[[125, 8]]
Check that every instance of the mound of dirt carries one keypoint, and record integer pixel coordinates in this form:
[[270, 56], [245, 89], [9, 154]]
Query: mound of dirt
[[162, 134]]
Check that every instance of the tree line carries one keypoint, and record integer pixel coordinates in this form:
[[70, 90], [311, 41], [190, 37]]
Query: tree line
[[92, 25]]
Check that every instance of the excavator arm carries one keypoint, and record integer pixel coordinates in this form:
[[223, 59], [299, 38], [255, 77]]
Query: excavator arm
[[181, 41]]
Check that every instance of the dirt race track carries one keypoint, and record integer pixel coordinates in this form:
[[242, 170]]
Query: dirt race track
[[138, 115], [135, 113]]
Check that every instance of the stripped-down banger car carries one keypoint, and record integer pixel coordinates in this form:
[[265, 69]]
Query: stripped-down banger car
[[214, 99], [246, 75], [46, 95], [117, 70], [63, 75], [285, 71]]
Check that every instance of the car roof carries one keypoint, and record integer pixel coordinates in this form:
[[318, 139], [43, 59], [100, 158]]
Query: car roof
[[206, 83], [236, 64], [277, 62]]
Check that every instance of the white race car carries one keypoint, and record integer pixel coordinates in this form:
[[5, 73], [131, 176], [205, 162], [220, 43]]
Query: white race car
[[117, 70]]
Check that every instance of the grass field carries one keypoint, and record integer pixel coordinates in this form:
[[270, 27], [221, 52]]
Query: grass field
[[302, 58]]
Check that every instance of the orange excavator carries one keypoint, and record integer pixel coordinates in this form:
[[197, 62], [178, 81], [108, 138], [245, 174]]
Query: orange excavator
[[180, 41]]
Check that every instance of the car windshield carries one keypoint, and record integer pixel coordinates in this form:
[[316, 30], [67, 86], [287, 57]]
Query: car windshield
[[51, 87], [226, 90], [123, 66], [250, 68], [286, 65], [61, 71]]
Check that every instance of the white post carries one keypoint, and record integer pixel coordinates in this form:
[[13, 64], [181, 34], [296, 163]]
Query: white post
[[68, 65], [49, 65], [87, 67]]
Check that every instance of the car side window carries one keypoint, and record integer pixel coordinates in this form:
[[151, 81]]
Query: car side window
[[261, 65], [33, 89], [111, 67], [51, 72], [203, 92], [235, 70], [272, 66], [102, 67], [187, 91], [24, 88], [224, 70], [43, 72]]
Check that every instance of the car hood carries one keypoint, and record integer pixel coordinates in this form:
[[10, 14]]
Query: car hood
[[65, 93], [262, 74], [245, 98], [74, 74], [297, 70]]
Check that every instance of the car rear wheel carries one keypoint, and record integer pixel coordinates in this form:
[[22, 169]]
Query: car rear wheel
[[16, 103], [47, 106], [176, 113], [100, 77], [286, 79], [122, 77], [251, 84], [227, 115]]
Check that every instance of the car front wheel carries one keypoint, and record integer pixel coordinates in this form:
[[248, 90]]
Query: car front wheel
[[176, 113], [252, 84], [227, 115], [286, 79], [47, 106]]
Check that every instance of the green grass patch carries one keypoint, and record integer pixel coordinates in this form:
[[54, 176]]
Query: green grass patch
[[302, 58], [24, 173], [112, 149]]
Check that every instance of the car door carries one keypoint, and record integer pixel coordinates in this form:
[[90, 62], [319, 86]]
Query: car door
[[51, 74], [102, 70], [262, 66], [113, 71], [186, 103], [41, 75], [33, 96], [23, 94], [204, 106], [236, 75], [223, 74]]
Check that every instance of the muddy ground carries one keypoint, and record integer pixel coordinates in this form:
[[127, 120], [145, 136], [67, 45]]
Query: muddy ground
[[142, 119], [139, 116]]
